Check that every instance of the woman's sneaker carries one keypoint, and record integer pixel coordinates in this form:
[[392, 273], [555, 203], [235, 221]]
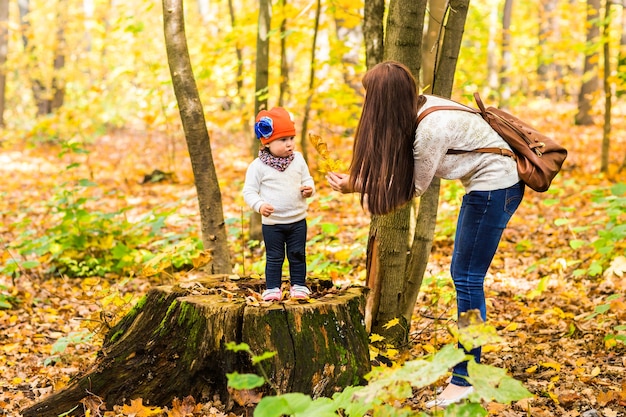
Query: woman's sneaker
[[272, 294], [299, 292]]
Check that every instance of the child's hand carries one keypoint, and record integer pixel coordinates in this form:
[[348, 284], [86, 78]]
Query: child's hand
[[266, 210], [306, 191]]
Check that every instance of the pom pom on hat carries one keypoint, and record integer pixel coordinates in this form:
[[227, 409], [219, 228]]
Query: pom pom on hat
[[274, 124]]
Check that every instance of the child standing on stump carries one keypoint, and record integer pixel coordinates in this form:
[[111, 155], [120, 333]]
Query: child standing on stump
[[277, 185]]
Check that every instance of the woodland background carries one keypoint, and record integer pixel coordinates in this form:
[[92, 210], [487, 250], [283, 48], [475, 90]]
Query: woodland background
[[98, 201]]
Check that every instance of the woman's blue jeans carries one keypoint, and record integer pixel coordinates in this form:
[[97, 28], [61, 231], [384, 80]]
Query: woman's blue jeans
[[281, 238], [482, 219]]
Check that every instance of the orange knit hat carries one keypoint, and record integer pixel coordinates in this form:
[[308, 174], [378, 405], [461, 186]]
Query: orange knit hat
[[274, 124]]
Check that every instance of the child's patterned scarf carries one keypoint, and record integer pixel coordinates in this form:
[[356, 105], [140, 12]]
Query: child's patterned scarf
[[276, 162]]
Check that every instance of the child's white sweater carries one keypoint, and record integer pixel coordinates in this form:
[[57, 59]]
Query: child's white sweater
[[265, 184]]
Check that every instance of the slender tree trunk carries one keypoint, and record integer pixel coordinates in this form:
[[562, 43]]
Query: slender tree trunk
[[388, 237], [431, 45], [621, 59], [352, 38], [48, 97], [590, 81], [373, 31], [606, 131], [386, 265], [545, 67], [455, 25], [4, 52], [203, 9], [405, 26], [311, 89], [493, 71], [238, 52], [429, 202], [261, 91], [58, 83], [197, 137], [284, 65], [505, 82]]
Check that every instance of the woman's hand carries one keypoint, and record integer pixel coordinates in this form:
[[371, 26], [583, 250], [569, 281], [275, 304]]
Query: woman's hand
[[339, 182]]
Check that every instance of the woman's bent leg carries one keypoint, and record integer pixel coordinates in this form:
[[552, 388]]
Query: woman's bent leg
[[482, 219]]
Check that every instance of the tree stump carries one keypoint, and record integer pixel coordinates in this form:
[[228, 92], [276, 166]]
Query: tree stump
[[173, 344]]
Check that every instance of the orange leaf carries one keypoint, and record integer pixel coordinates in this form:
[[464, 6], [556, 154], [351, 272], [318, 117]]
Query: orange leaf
[[137, 409]]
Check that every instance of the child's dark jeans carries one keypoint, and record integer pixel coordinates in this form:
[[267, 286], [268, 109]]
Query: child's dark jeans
[[280, 239]]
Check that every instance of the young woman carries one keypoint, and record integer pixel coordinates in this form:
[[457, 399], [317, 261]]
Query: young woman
[[395, 160]]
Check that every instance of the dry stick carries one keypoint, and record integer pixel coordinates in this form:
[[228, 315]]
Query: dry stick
[[243, 247]]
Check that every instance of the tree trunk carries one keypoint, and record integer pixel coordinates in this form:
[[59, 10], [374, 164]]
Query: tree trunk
[[405, 26], [453, 35], [394, 281], [373, 14], [197, 137], [421, 247], [284, 65], [4, 51], [261, 91], [386, 264], [621, 58], [429, 202], [173, 344], [311, 89], [431, 44], [547, 27], [590, 81], [388, 237], [505, 82], [606, 131]]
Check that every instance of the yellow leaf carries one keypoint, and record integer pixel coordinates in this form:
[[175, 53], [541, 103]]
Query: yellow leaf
[[595, 371], [553, 365], [531, 370], [391, 323], [204, 258], [511, 327], [392, 353], [429, 348], [326, 164], [376, 338]]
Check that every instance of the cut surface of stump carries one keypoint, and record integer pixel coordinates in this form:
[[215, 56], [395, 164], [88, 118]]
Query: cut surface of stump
[[172, 344]]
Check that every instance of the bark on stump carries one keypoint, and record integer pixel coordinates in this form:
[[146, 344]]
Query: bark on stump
[[172, 344]]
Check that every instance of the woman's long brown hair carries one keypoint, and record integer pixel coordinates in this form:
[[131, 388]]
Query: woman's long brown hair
[[382, 161]]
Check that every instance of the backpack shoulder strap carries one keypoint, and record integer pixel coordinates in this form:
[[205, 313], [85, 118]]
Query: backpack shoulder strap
[[481, 106], [498, 151], [435, 108]]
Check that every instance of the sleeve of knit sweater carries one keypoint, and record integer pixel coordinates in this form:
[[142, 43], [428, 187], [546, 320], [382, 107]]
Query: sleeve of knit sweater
[[307, 179]]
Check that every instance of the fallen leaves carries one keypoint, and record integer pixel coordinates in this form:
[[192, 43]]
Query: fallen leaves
[[536, 305]]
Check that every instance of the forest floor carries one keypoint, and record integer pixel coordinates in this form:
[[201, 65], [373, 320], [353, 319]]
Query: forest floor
[[536, 302]]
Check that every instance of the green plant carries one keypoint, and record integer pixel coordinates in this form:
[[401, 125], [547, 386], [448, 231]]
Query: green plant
[[85, 241], [611, 238], [612, 304], [387, 387], [60, 346], [6, 300]]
